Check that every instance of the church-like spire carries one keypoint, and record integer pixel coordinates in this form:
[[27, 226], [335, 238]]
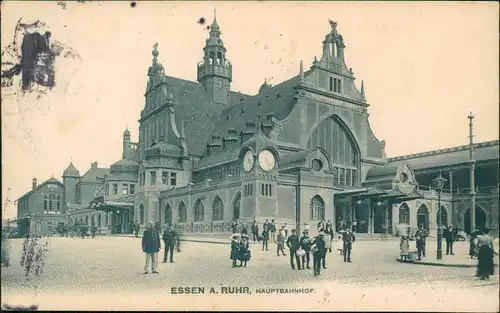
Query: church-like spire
[[363, 98]]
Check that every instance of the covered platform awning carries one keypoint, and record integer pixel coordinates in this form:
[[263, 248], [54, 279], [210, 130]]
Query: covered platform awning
[[110, 206], [362, 192], [401, 196]]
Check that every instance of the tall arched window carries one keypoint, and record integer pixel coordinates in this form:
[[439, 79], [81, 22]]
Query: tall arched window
[[199, 211], [404, 214], [317, 209], [442, 216], [236, 206], [99, 220], [141, 213], [217, 209], [333, 136], [168, 215], [219, 58], [92, 221], [182, 213], [106, 219]]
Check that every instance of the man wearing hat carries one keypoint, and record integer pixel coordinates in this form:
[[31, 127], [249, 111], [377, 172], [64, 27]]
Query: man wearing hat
[[151, 247], [305, 244], [319, 250], [293, 244], [169, 240]]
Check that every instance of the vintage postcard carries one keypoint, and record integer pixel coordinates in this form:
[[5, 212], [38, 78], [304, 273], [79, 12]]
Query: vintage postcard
[[250, 156]]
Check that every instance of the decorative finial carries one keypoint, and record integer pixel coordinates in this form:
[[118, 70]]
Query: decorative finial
[[155, 53], [71, 160], [301, 71], [363, 97]]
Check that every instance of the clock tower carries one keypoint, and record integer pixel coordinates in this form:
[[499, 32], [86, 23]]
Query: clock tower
[[259, 176]]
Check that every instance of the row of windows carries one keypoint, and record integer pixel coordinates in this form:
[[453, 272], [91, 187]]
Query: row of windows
[[267, 190], [347, 177], [335, 85], [218, 173], [52, 202], [127, 189], [248, 190], [166, 179]]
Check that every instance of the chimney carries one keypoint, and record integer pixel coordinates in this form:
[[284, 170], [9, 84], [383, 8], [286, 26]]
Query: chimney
[[268, 125], [248, 131], [215, 145], [34, 183], [231, 140], [93, 165]]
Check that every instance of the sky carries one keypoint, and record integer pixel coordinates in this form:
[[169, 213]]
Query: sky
[[424, 65]]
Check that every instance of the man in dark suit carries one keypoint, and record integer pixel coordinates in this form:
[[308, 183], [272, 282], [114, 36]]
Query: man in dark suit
[[305, 244], [169, 239], [151, 247], [450, 236], [318, 249], [255, 231], [137, 227], [348, 238], [293, 244], [420, 239]]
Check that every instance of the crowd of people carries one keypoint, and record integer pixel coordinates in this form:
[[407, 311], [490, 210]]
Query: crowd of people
[[300, 248]]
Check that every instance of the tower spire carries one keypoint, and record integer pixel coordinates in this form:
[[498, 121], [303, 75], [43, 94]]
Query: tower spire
[[363, 97]]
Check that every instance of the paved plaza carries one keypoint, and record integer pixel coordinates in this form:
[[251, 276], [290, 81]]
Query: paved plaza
[[106, 273]]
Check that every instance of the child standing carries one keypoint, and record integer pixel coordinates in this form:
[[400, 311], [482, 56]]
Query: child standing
[[404, 247], [244, 252], [235, 247], [280, 243], [340, 243]]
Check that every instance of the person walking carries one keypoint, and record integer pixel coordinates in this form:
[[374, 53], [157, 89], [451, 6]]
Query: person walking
[[137, 227], [305, 244], [272, 230], [318, 249], [473, 243], [485, 262], [151, 247], [293, 244], [265, 238], [255, 231], [235, 248], [280, 243], [348, 239], [404, 248], [420, 238], [94, 231], [169, 240], [450, 237], [285, 228]]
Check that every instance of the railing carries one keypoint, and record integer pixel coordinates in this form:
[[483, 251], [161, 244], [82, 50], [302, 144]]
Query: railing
[[479, 189], [200, 227]]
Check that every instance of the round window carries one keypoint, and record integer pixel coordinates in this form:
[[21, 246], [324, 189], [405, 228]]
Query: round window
[[317, 165]]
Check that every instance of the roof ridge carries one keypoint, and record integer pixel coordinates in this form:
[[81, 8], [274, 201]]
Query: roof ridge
[[443, 150]]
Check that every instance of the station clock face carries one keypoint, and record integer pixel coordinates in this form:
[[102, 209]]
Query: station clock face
[[267, 160], [248, 161]]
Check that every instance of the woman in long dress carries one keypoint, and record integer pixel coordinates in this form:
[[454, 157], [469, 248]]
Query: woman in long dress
[[235, 248], [244, 251], [340, 243], [404, 247], [485, 264]]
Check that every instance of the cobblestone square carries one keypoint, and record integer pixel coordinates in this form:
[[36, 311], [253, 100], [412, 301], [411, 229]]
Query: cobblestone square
[[113, 266]]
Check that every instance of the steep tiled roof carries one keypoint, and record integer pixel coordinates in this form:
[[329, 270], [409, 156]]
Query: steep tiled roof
[[197, 111], [278, 100], [93, 173], [48, 181], [218, 158]]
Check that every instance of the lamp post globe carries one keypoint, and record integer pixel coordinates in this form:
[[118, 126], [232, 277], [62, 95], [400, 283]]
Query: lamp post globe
[[439, 184]]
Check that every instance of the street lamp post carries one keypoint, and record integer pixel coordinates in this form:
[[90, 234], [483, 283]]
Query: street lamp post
[[439, 183]]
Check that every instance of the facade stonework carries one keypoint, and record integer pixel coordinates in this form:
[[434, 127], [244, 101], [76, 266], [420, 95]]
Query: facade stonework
[[299, 152]]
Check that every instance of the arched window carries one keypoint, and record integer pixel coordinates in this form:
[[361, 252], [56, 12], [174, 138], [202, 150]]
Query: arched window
[[442, 216], [182, 213], [199, 211], [219, 58], [217, 209], [86, 220], [141, 213], [423, 216], [92, 221], [317, 208], [106, 219], [236, 206], [99, 220], [333, 136], [168, 215], [404, 214]]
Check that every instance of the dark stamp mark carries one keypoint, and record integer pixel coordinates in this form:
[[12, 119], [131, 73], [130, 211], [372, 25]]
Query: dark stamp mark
[[7, 307], [132, 4], [201, 21]]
